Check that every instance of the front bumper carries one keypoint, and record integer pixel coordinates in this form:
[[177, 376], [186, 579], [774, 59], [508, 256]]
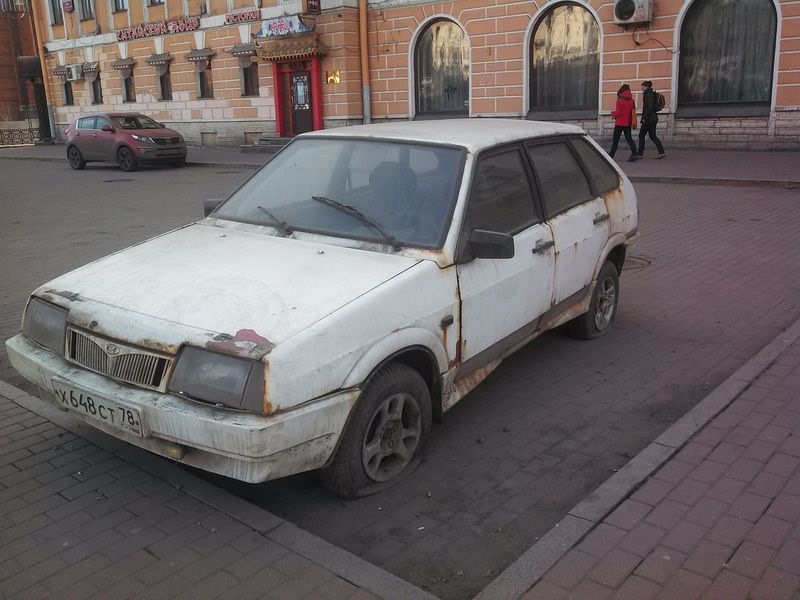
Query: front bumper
[[242, 446], [160, 153]]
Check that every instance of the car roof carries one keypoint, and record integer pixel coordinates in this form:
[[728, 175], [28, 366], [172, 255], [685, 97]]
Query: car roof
[[473, 134]]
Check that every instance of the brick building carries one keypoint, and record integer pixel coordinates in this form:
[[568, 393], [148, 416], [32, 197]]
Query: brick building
[[227, 71], [17, 47]]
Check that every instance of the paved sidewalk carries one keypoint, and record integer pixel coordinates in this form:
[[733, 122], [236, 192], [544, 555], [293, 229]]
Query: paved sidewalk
[[709, 510]]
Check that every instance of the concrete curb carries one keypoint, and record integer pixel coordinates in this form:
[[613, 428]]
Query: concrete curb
[[189, 163], [336, 560], [521, 575]]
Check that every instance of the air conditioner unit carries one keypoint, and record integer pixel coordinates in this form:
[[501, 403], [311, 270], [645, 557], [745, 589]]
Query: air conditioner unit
[[633, 12], [74, 72]]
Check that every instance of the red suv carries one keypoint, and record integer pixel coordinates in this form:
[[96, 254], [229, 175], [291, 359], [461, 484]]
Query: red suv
[[129, 139]]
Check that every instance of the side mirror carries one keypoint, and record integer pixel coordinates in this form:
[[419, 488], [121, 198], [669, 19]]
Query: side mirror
[[491, 244], [106, 128], [161, 125], [210, 206]]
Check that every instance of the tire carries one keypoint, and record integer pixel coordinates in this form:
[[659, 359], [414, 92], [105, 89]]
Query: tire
[[384, 437], [602, 309], [126, 160], [75, 158]]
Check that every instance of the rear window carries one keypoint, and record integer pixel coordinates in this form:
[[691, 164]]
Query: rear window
[[560, 177]]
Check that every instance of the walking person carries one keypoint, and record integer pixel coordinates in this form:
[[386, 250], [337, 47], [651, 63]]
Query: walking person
[[649, 119], [624, 115]]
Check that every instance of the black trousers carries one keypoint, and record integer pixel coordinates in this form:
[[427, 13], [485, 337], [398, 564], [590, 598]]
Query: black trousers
[[649, 128], [618, 131]]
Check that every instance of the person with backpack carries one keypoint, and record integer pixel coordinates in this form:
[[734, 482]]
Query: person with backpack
[[652, 103], [624, 115]]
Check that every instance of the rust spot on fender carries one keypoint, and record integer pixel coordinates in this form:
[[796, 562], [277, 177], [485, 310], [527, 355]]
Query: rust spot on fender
[[245, 342]]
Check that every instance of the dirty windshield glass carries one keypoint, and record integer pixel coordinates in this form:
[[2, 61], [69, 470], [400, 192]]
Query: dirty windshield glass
[[135, 122], [387, 192]]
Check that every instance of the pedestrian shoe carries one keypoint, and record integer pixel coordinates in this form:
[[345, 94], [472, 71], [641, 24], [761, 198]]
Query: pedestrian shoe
[[633, 158], [662, 155]]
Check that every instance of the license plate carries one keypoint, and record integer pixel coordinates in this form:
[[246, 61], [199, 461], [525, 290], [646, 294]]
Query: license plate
[[98, 408]]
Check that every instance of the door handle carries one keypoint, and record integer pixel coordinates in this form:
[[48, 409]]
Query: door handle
[[542, 246], [94, 135], [600, 217]]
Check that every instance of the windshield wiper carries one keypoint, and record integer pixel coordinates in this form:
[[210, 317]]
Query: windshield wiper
[[354, 212], [282, 226]]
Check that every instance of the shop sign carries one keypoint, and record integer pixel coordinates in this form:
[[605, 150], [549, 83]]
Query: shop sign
[[282, 26], [159, 28], [68, 6], [313, 7], [240, 17]]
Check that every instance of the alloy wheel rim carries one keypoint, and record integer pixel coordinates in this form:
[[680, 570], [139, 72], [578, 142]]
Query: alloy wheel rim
[[606, 301], [392, 437]]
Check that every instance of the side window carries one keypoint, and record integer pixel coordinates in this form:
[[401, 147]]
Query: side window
[[561, 179], [101, 122], [500, 198], [603, 174], [86, 123]]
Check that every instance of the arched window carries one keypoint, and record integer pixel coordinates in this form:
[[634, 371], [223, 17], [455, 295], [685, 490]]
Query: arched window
[[441, 65], [726, 59], [565, 63]]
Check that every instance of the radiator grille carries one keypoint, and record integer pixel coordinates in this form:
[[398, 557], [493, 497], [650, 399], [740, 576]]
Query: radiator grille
[[166, 141], [123, 363]]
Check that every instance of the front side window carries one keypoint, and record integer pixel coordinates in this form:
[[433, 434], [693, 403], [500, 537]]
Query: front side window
[[205, 82], [727, 53], [441, 62], [561, 180], [165, 84], [250, 80], [57, 17], [387, 192], [565, 62], [500, 198]]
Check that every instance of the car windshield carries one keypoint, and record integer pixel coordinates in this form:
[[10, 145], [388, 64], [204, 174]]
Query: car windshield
[[395, 193], [136, 122]]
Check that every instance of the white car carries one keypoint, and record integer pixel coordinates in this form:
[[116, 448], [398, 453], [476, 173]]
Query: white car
[[355, 288]]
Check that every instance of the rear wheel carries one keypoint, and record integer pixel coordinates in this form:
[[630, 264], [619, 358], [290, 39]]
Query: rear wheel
[[126, 160], [383, 440], [603, 307], [75, 158]]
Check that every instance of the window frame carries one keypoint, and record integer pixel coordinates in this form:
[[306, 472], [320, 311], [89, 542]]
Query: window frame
[[557, 113], [56, 12], [120, 6], [247, 81], [165, 85], [69, 94], [128, 89], [729, 108], [418, 112], [205, 83], [97, 90], [85, 10]]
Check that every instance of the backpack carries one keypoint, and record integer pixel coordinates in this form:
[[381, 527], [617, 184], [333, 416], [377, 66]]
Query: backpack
[[658, 105]]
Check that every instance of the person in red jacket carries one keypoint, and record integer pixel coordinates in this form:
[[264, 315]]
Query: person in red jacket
[[623, 114]]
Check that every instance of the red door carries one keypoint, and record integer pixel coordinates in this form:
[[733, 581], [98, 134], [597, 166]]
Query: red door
[[298, 105]]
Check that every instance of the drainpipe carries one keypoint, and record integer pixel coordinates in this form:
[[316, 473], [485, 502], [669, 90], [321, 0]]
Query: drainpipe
[[362, 39], [40, 50]]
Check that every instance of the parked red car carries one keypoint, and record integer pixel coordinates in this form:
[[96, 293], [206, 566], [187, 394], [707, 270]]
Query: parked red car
[[129, 139]]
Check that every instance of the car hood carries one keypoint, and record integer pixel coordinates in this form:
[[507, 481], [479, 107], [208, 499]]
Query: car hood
[[235, 291], [162, 132]]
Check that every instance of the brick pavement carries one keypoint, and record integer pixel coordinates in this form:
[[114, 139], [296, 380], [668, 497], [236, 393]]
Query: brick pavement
[[145, 529], [85, 516], [719, 520]]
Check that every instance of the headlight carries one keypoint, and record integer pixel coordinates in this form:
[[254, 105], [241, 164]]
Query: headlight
[[219, 379], [141, 138], [45, 324]]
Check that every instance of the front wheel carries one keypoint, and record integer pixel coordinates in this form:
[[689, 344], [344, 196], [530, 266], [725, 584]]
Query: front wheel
[[603, 307], [126, 160], [383, 441]]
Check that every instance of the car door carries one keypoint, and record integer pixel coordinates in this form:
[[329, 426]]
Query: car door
[[103, 140], [578, 219], [84, 129], [501, 299]]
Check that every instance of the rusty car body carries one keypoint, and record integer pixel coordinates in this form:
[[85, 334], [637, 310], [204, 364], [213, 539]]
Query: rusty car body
[[353, 290]]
